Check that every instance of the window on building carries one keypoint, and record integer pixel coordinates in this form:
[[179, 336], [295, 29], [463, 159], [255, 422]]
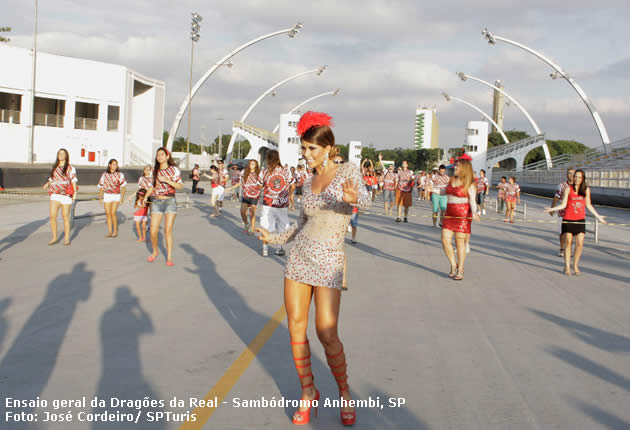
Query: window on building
[[113, 114], [85, 116], [10, 107], [49, 112]]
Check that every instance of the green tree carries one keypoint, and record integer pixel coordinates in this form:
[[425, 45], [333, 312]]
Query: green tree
[[164, 138], [4, 30], [556, 147], [495, 139]]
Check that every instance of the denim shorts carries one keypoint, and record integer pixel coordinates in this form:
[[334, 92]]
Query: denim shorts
[[481, 197], [388, 195], [354, 220], [165, 206]]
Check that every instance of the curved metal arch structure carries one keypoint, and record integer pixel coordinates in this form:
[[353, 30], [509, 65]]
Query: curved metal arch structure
[[464, 77], [601, 128], [329, 93], [291, 32], [485, 115], [318, 72]]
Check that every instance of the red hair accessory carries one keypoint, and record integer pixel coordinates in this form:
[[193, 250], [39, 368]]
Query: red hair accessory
[[312, 119], [465, 157]]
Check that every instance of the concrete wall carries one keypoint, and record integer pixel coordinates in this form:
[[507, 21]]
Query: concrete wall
[[35, 176]]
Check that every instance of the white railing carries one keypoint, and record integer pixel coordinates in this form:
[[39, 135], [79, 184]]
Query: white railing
[[258, 132], [507, 148], [112, 125], [595, 178], [85, 123], [49, 119], [542, 164], [10, 116], [137, 156]]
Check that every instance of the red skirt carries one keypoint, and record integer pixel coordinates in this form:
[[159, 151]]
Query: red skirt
[[461, 218], [511, 199]]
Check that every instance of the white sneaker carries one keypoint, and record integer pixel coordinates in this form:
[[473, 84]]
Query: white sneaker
[[265, 251], [483, 211], [349, 228], [467, 248]]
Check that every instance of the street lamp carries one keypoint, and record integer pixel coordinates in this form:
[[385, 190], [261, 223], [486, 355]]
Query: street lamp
[[329, 93], [31, 135], [317, 71], [291, 32], [195, 28], [485, 115], [464, 77], [492, 40]]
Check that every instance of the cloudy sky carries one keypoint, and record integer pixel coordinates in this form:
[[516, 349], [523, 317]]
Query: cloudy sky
[[386, 56]]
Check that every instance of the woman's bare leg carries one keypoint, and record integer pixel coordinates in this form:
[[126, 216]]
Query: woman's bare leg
[[108, 216], [460, 245], [156, 220], [65, 214], [114, 216], [579, 245], [297, 301], [447, 245], [252, 216], [54, 211], [567, 253], [168, 234]]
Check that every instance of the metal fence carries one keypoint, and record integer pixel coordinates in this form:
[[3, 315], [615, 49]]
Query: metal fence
[[85, 123], [10, 116], [49, 119]]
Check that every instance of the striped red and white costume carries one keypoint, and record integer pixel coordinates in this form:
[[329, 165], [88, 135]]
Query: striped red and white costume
[[59, 182], [145, 183], [511, 190], [482, 184], [251, 187], [560, 194], [405, 180], [439, 183], [501, 188], [162, 189], [111, 183], [389, 181]]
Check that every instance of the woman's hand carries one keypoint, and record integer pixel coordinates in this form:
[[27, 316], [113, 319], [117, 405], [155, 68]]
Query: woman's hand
[[549, 210], [602, 219], [46, 185], [264, 234], [476, 217], [350, 191]]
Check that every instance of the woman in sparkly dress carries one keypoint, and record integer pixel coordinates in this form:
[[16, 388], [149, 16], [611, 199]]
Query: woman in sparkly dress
[[315, 267], [461, 208]]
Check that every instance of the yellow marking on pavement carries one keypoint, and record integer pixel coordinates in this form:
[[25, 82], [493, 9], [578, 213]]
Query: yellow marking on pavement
[[232, 375]]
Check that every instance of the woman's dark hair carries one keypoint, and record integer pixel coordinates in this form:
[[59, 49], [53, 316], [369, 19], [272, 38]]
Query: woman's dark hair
[[65, 167], [273, 160], [215, 168], [583, 186], [513, 178], [322, 136], [503, 177], [156, 167], [109, 165]]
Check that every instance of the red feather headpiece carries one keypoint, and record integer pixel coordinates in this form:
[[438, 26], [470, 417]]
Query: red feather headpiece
[[465, 157], [313, 119]]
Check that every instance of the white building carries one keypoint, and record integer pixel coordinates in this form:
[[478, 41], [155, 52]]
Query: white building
[[354, 153], [427, 128], [476, 143], [95, 110], [289, 144]]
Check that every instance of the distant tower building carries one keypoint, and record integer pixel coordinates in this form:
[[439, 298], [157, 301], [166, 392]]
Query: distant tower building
[[427, 131], [498, 103], [354, 153], [477, 143], [289, 143]]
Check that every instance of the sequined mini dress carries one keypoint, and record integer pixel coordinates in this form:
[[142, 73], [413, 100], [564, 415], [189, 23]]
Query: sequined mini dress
[[317, 257]]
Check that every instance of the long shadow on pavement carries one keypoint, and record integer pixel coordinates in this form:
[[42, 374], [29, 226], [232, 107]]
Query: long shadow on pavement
[[122, 326], [20, 234], [29, 362], [606, 419], [389, 417], [246, 323], [4, 322]]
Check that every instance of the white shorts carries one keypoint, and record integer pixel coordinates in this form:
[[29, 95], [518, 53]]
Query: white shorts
[[111, 198], [64, 200], [218, 192], [274, 220]]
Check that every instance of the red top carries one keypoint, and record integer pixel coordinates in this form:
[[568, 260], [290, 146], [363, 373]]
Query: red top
[[276, 186], [576, 206], [59, 182], [142, 211], [251, 187], [389, 181], [163, 189], [482, 184], [405, 180], [111, 183]]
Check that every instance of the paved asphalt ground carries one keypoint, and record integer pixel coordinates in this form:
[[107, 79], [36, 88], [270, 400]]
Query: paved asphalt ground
[[516, 345]]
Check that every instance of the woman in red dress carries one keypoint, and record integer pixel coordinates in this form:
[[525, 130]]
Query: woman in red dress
[[460, 210]]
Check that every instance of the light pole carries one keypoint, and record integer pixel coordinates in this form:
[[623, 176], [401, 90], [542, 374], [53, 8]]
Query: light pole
[[194, 38], [31, 135], [317, 71], [492, 40], [485, 115], [219, 146], [291, 32], [465, 77], [329, 93]]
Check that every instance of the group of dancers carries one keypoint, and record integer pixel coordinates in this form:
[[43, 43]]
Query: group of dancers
[[332, 195]]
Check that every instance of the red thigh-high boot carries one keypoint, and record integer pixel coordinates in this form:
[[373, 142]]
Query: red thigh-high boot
[[302, 361], [339, 369]]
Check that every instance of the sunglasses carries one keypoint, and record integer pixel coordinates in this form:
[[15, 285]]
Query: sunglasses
[[338, 162]]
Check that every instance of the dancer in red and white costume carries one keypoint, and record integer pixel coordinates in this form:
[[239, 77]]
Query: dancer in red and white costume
[[439, 181], [252, 184], [277, 182], [166, 180], [112, 185], [512, 196], [501, 194], [558, 197], [575, 200], [460, 210], [62, 187], [483, 186], [316, 263], [404, 188], [390, 182]]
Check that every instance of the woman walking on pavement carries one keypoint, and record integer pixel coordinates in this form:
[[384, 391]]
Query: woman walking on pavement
[[512, 196], [315, 266], [113, 185], [575, 200], [62, 187], [461, 208]]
